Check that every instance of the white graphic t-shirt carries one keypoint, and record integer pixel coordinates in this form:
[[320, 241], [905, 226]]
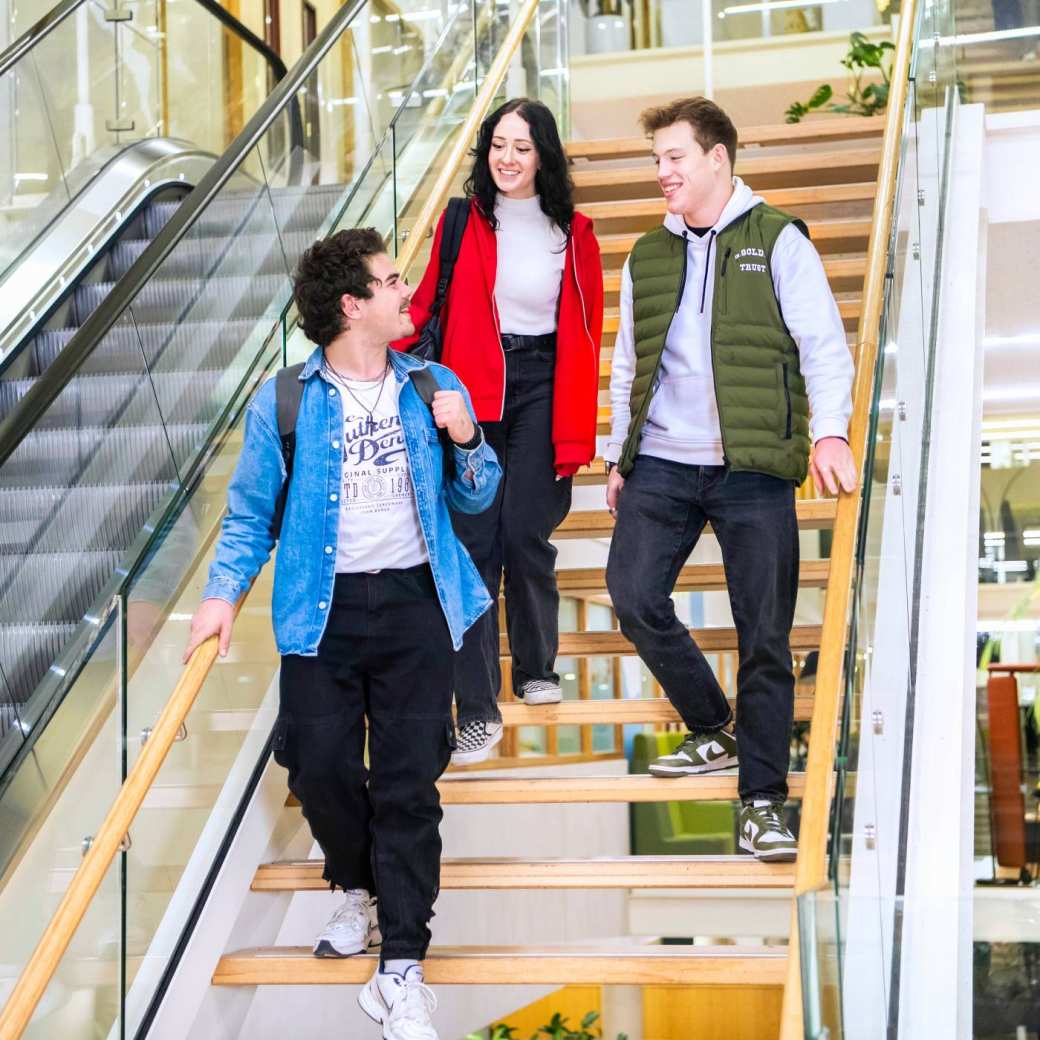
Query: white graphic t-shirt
[[378, 517]]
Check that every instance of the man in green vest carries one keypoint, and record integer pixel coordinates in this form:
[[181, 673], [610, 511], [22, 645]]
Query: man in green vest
[[729, 337]]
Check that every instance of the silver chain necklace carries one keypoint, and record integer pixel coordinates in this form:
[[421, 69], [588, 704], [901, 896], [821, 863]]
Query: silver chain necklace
[[338, 377]]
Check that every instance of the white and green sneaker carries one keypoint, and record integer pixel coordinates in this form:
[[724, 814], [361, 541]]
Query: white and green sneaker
[[764, 834], [698, 753]]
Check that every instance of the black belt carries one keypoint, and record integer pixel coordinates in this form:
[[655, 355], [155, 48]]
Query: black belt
[[544, 343]]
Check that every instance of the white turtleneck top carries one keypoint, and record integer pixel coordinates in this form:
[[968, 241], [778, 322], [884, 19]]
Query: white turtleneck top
[[531, 254]]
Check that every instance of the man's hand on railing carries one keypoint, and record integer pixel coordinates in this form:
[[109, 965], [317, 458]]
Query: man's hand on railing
[[213, 618], [832, 465]]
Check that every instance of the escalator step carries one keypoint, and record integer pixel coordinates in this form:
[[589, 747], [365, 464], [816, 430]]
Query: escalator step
[[203, 258], [192, 299], [304, 209], [43, 587], [27, 651], [100, 455], [58, 519], [125, 399], [215, 343]]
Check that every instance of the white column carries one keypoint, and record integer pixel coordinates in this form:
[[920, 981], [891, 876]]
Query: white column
[[935, 973]]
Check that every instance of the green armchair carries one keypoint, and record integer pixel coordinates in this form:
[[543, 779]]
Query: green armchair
[[676, 828]]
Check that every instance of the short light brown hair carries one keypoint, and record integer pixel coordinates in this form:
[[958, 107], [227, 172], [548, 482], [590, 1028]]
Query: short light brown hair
[[710, 125]]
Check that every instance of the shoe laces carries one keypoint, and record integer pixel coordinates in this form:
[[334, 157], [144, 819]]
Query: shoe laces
[[415, 1004], [771, 813], [537, 685], [353, 910]]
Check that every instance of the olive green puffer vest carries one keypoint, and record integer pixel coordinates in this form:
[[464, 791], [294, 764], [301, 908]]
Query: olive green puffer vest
[[763, 408]]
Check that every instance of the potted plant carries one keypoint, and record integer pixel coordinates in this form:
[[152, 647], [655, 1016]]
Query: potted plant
[[871, 99]]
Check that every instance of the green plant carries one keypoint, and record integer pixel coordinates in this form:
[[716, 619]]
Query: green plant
[[869, 100], [555, 1029]]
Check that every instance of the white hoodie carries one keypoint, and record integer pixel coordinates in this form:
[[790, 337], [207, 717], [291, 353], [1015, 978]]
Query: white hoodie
[[683, 421]]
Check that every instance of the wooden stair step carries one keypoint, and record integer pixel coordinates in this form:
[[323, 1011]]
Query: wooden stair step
[[600, 872], [710, 640], [628, 964], [812, 130], [813, 514], [695, 577], [631, 788], [615, 711], [801, 169]]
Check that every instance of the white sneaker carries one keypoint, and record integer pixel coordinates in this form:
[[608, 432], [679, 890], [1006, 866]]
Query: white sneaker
[[353, 927], [401, 1004], [540, 691], [475, 741]]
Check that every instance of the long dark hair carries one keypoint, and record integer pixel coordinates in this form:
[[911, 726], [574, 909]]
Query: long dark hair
[[552, 181]]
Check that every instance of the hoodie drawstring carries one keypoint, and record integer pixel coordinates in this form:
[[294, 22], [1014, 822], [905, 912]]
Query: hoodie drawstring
[[707, 265]]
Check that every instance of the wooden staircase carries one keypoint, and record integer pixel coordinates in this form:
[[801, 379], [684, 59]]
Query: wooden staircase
[[824, 171]]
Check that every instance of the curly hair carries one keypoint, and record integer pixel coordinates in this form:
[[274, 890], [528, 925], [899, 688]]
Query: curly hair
[[330, 268], [552, 181]]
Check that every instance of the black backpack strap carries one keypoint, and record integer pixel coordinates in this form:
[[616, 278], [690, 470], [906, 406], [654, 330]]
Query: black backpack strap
[[456, 216], [426, 385], [288, 393]]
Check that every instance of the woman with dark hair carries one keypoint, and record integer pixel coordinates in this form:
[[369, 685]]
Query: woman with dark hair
[[521, 325]]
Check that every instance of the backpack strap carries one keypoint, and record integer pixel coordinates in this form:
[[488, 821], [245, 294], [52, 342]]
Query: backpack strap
[[426, 385], [456, 216], [288, 393]]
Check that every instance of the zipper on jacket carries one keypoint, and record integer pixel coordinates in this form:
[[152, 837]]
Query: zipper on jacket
[[711, 357], [723, 284], [678, 303], [581, 298], [787, 399], [707, 264]]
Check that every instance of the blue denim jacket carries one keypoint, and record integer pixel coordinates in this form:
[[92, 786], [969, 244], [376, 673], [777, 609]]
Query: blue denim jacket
[[305, 564]]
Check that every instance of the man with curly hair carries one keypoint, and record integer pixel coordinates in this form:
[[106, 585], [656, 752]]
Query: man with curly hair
[[372, 595]]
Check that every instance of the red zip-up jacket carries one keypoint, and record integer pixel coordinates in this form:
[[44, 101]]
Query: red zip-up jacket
[[472, 344]]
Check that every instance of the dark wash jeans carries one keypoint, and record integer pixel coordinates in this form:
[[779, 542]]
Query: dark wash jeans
[[513, 536], [386, 655], [662, 510]]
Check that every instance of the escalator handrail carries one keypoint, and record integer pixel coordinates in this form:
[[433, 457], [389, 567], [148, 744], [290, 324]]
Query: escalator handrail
[[95, 864], [42, 28], [34, 404]]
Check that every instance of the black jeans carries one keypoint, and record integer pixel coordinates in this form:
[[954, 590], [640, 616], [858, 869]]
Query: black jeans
[[513, 536], [386, 655], [662, 510]]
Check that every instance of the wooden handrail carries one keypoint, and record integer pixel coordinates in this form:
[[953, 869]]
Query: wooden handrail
[[44, 961], [442, 185], [38, 972], [811, 869]]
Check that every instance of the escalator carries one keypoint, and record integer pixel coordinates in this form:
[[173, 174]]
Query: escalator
[[120, 426], [104, 409], [107, 192]]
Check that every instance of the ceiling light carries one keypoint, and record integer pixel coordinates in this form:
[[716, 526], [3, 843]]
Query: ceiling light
[[772, 5], [964, 39]]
